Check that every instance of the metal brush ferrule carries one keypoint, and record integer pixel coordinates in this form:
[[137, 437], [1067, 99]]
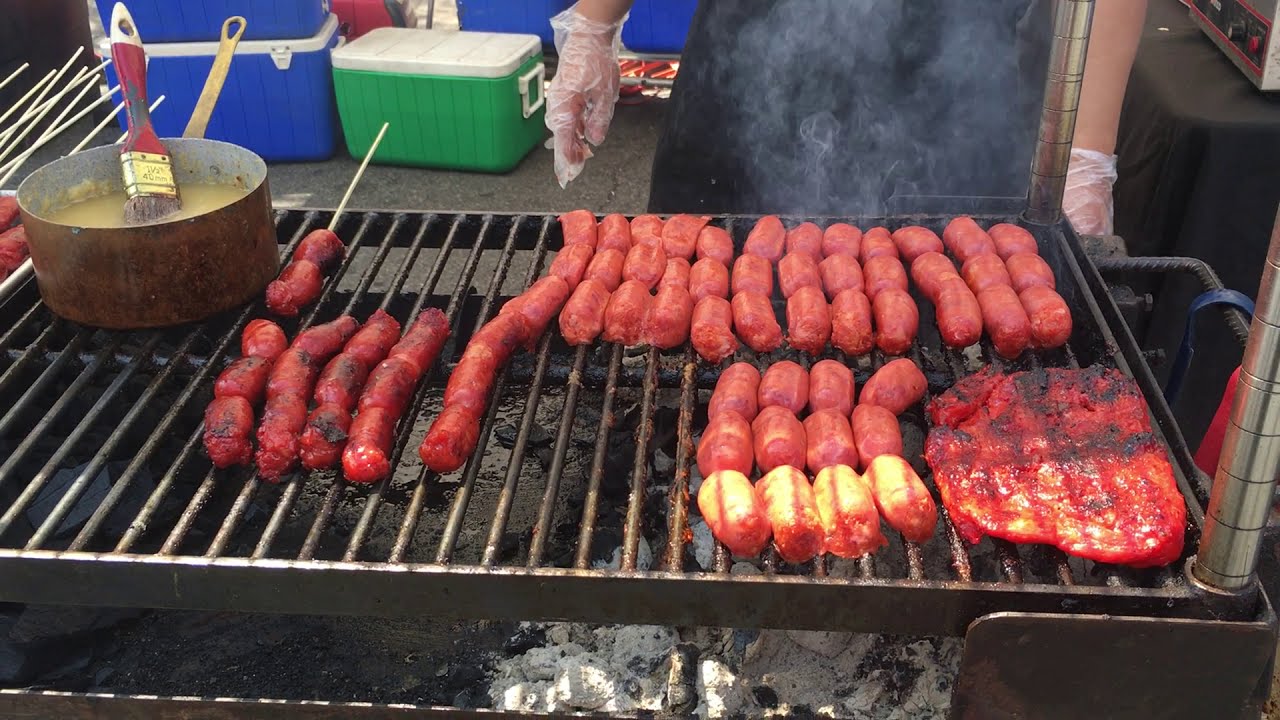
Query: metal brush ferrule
[[148, 174], [1071, 23], [1244, 483]]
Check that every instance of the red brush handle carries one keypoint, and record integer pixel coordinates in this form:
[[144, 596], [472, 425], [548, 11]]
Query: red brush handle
[[131, 67]]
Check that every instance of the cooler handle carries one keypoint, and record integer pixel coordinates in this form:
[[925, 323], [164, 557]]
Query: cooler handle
[[526, 89]]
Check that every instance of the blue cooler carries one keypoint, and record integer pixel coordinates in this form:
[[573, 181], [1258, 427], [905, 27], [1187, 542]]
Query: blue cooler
[[525, 17], [172, 21], [277, 101], [658, 26]]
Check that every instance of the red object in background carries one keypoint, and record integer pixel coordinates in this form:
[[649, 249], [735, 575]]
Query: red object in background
[[654, 69], [1211, 445], [361, 16]]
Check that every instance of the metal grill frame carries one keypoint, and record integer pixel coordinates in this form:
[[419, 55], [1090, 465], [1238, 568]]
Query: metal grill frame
[[172, 578]]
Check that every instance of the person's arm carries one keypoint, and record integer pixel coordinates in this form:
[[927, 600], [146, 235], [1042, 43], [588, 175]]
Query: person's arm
[[1113, 43], [604, 11]]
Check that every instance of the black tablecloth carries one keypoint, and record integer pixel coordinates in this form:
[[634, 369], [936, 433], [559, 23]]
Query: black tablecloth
[[1199, 175]]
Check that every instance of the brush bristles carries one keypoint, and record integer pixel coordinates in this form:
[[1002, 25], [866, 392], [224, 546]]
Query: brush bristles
[[145, 209]]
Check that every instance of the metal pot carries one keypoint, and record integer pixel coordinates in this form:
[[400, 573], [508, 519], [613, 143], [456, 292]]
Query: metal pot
[[155, 275]]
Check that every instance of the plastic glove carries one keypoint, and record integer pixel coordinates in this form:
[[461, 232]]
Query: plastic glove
[[584, 90], [1087, 201]]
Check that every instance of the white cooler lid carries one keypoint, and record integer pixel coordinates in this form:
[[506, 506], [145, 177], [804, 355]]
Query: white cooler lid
[[453, 53]]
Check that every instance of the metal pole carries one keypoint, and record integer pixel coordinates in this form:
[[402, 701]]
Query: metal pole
[[1071, 22], [1243, 486]]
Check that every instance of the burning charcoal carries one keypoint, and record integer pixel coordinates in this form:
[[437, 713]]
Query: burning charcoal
[[506, 435], [526, 638], [664, 466], [682, 691], [765, 696]]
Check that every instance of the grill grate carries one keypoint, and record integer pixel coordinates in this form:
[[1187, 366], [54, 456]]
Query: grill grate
[[567, 467]]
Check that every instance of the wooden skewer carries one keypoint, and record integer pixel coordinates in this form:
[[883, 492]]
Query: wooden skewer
[[36, 118], [13, 165], [82, 75], [13, 75], [48, 132], [355, 180], [34, 89], [57, 75]]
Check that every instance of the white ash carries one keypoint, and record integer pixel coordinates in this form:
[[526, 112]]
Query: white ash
[[704, 544], [644, 558]]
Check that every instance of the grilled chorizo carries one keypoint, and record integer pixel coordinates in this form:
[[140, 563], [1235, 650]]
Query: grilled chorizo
[[423, 341], [902, 498], [715, 243], [680, 235], [279, 433], [228, 426], [984, 271], [341, 381], [805, 239], [571, 263], [914, 241], [321, 247], [452, 438], [958, 313], [245, 378], [292, 373], [1049, 315], [579, 228], [9, 211], [676, 273], [263, 339], [298, 285], [777, 438], [366, 458], [928, 271], [882, 273], [808, 320], [390, 386], [784, 384], [326, 340], [896, 319], [851, 323], [14, 250], [669, 318], [752, 273], [841, 239], [374, 339], [831, 387], [502, 335], [538, 305], [726, 445], [896, 386], [606, 268], [755, 322], [966, 239], [614, 233], [650, 225], [875, 433], [797, 270], [792, 510], [840, 273], [877, 242], [1011, 240], [711, 331], [645, 264], [767, 239], [582, 319], [1029, 270], [736, 391], [472, 379], [625, 313], [734, 513], [708, 278], [324, 437], [850, 520], [829, 439], [1006, 321]]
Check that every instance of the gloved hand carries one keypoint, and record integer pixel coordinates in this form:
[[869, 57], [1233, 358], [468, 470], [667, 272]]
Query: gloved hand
[[584, 90], [1087, 201]]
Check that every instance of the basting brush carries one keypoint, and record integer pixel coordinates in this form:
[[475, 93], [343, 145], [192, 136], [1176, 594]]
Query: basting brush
[[144, 160]]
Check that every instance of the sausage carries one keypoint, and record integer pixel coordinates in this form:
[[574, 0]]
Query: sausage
[[263, 339], [984, 271], [670, 315], [374, 339], [734, 513], [1011, 240], [472, 379], [279, 435], [645, 263], [321, 247], [792, 510], [777, 439], [228, 425], [1028, 270], [875, 432], [579, 228], [571, 264], [755, 322], [902, 498], [716, 244], [324, 437], [877, 242], [650, 225], [539, 304], [767, 239], [292, 373], [840, 273], [805, 239], [676, 273], [711, 330], [501, 335], [9, 211], [850, 520], [752, 273], [680, 235], [582, 319], [797, 270], [841, 239], [896, 319], [370, 440], [831, 387], [423, 341], [1049, 315], [808, 320], [736, 391], [708, 278], [913, 241], [829, 441], [883, 272], [299, 285], [1006, 322], [625, 313], [326, 340], [896, 386], [784, 384], [391, 385], [452, 438], [966, 239], [726, 445], [851, 323], [606, 268], [245, 378], [341, 382], [14, 250], [958, 313], [614, 233], [927, 272]]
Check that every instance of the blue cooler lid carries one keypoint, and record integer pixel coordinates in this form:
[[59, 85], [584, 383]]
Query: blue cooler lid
[[281, 51]]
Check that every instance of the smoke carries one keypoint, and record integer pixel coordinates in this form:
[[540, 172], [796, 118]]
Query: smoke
[[842, 104]]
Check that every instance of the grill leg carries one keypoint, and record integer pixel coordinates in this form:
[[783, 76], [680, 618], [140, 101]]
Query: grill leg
[[1049, 666]]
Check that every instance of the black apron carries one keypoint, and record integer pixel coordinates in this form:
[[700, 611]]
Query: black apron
[[831, 107]]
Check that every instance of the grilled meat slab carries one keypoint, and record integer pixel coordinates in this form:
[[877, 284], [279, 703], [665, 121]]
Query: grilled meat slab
[[1064, 457]]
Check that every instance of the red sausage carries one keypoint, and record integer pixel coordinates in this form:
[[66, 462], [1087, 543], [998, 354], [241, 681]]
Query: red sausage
[[321, 247], [606, 268], [914, 241], [896, 386], [292, 373], [841, 239], [245, 378], [708, 278], [341, 382], [808, 320], [875, 433], [806, 239], [374, 339], [424, 340], [539, 304], [670, 317], [715, 243], [966, 239], [452, 438], [984, 271], [571, 263], [840, 273], [830, 441], [228, 425], [582, 319], [711, 330], [755, 322], [1006, 322], [831, 387], [366, 457], [579, 228], [767, 239], [1050, 317], [784, 384], [1028, 270], [752, 274], [390, 386], [726, 445], [614, 234], [734, 513], [625, 313], [680, 235], [298, 285], [472, 379], [9, 211], [326, 340], [645, 263], [896, 319], [1011, 240], [877, 242], [777, 439], [850, 520], [797, 270], [676, 273], [792, 509], [502, 335], [928, 270], [903, 500], [14, 250], [324, 437], [279, 433], [851, 323], [263, 339], [958, 313], [736, 391], [650, 225], [882, 273]]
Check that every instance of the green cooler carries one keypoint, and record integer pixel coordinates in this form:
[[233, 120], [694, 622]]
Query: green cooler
[[457, 100]]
